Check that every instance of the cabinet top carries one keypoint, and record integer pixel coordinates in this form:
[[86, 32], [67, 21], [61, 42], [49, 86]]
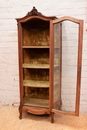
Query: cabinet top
[[35, 14]]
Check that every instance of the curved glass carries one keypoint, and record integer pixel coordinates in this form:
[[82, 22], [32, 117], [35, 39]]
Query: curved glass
[[65, 65]]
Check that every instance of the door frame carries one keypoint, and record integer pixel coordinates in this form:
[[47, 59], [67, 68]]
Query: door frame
[[79, 63]]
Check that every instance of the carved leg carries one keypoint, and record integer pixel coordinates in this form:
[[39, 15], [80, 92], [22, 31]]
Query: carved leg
[[52, 117], [20, 112]]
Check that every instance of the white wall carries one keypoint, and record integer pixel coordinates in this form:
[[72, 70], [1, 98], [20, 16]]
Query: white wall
[[11, 9]]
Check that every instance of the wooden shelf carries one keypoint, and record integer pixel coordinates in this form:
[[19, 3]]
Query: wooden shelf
[[36, 102], [35, 46], [36, 84], [37, 66], [26, 47]]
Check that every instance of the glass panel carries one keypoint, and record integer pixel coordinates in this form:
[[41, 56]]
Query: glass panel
[[57, 88], [66, 72]]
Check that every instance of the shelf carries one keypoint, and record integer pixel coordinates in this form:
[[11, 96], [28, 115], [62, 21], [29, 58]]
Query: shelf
[[26, 47], [36, 84], [35, 46], [37, 66], [36, 102]]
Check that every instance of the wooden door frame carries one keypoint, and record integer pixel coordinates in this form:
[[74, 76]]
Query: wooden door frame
[[79, 63]]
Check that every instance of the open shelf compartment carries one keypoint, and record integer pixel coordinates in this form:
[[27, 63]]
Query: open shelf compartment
[[36, 102], [35, 83]]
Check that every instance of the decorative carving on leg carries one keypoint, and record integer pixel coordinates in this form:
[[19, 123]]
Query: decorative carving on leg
[[20, 112], [52, 117]]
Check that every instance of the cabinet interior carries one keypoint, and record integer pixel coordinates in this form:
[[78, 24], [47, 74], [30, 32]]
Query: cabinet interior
[[36, 56], [36, 33], [36, 60]]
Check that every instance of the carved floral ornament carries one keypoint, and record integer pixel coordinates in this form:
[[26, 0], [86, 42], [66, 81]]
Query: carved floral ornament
[[34, 11]]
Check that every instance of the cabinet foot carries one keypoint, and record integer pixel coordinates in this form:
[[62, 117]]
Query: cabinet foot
[[20, 116], [52, 117], [20, 112]]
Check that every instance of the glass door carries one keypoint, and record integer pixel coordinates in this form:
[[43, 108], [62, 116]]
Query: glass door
[[67, 59]]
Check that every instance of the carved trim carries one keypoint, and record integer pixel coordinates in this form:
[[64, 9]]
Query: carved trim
[[34, 11]]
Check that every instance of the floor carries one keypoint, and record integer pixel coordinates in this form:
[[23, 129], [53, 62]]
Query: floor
[[9, 121]]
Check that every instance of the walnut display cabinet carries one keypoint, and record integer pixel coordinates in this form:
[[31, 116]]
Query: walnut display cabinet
[[40, 64]]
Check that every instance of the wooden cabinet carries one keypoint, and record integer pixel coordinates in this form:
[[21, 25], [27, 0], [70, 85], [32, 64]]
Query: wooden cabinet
[[40, 63]]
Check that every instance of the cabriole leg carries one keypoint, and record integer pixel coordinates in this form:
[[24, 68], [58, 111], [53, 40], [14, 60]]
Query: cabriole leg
[[20, 112], [52, 117]]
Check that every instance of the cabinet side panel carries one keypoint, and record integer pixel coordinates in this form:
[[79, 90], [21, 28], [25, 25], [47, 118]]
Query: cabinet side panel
[[20, 62]]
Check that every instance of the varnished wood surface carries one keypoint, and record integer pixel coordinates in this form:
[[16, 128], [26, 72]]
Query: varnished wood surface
[[79, 66], [37, 66], [36, 110], [33, 83], [26, 47], [35, 47], [69, 18]]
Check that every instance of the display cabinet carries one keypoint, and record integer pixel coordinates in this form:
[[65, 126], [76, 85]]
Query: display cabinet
[[40, 64]]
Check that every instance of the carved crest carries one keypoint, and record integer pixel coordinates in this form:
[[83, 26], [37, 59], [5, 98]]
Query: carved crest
[[34, 11]]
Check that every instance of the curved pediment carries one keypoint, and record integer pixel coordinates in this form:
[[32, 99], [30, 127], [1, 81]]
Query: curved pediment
[[34, 14]]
